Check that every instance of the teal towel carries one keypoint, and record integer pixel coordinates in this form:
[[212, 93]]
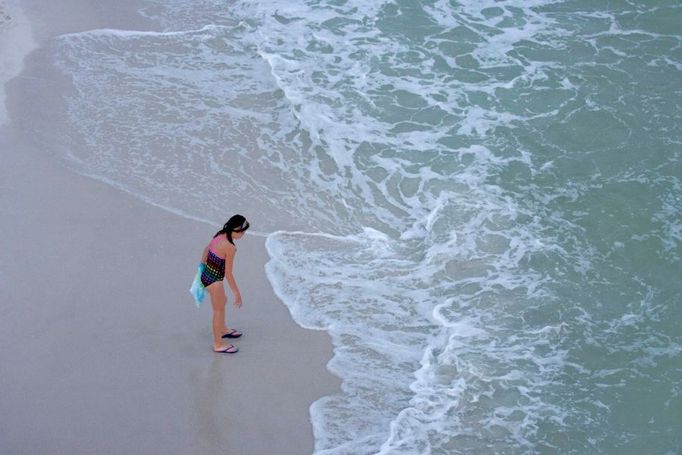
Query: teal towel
[[198, 290]]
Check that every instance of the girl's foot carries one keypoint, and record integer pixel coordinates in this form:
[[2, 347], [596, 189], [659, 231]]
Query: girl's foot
[[232, 333], [229, 349]]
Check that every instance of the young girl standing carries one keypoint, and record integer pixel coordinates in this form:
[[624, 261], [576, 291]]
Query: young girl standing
[[218, 260]]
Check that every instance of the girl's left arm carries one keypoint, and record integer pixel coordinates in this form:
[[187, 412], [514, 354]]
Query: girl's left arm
[[229, 264]]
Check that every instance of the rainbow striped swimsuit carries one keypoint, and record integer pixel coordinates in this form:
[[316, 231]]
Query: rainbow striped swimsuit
[[214, 270]]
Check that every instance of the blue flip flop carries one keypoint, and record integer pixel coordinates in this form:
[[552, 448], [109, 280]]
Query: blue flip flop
[[228, 350], [233, 334]]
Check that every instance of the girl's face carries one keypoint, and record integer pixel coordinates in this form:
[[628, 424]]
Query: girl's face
[[238, 235]]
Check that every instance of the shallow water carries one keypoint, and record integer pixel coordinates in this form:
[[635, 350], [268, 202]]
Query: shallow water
[[478, 200]]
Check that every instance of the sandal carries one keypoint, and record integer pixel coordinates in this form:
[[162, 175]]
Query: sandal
[[230, 349], [234, 333]]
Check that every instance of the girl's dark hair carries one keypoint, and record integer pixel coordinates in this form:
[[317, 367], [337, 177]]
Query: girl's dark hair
[[235, 224]]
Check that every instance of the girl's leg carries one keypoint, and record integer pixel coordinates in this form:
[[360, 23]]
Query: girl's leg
[[218, 301]]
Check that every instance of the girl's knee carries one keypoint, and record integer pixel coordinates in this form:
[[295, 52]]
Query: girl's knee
[[219, 308], [218, 303]]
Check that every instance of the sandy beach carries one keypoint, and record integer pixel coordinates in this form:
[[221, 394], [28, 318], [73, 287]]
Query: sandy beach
[[103, 350]]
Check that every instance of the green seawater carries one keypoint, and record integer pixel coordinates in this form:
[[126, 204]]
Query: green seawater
[[587, 112]]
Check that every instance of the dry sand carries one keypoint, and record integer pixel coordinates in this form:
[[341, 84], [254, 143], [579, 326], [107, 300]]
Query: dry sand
[[101, 347]]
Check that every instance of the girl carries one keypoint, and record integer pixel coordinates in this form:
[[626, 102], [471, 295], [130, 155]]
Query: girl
[[218, 259]]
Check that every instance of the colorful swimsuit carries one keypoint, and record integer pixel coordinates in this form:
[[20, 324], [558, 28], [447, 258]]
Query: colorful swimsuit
[[214, 270]]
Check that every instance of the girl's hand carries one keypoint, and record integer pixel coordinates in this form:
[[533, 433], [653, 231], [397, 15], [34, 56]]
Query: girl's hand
[[238, 300]]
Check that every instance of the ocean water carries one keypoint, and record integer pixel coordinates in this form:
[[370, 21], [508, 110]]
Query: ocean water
[[479, 200]]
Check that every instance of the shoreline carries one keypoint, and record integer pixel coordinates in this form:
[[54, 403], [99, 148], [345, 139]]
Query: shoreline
[[16, 41], [107, 351]]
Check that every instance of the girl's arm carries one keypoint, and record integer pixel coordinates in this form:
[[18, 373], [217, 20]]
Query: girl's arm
[[229, 263]]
